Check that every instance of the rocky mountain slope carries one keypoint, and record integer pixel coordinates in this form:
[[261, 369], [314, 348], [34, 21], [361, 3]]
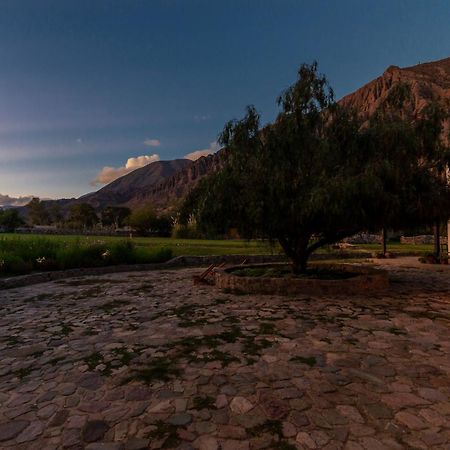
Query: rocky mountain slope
[[429, 82]]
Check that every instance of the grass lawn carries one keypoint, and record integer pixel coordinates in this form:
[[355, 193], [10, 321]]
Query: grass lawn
[[191, 247], [419, 249], [198, 247]]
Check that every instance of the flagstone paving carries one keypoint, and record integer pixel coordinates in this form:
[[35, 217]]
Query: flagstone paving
[[149, 360]]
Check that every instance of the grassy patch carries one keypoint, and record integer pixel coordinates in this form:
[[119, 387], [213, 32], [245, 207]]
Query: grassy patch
[[21, 254]]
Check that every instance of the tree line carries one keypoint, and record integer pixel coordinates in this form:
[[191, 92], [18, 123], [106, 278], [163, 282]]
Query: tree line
[[83, 216]]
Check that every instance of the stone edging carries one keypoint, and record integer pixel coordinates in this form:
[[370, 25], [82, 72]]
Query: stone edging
[[369, 280], [178, 261]]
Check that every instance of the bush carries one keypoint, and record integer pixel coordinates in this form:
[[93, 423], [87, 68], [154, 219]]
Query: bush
[[19, 256]]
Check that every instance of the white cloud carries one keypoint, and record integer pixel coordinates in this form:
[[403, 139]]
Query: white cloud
[[213, 148], [108, 174], [152, 142]]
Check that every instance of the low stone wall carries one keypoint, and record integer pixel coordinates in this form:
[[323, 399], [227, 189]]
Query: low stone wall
[[368, 280], [179, 261], [423, 239]]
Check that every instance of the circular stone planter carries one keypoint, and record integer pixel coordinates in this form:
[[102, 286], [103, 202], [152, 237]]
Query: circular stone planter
[[366, 280]]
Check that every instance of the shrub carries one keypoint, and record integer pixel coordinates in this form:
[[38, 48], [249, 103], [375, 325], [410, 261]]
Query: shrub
[[19, 256]]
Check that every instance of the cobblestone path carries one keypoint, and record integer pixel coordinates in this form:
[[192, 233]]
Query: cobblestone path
[[148, 360]]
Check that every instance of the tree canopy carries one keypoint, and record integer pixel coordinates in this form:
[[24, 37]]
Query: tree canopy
[[10, 219], [316, 175], [82, 215]]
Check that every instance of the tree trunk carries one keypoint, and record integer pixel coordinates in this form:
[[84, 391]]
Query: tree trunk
[[437, 241], [383, 240], [300, 264], [298, 253]]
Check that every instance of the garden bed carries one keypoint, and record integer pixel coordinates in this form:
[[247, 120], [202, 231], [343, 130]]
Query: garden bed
[[335, 279]]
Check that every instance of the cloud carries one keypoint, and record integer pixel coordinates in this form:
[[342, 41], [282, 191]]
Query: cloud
[[6, 200], [213, 148], [152, 142], [108, 174]]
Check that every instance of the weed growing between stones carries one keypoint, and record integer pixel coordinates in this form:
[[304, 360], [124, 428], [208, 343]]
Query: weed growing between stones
[[397, 331], [159, 369], [109, 307], [310, 361], [266, 328], [96, 359], [205, 402], [90, 332], [24, 372], [56, 360], [275, 429], [165, 431]]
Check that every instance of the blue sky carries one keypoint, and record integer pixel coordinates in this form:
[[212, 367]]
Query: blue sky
[[83, 84]]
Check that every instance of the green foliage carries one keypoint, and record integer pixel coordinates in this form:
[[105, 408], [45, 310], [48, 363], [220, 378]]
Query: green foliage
[[37, 212], [316, 175], [82, 215], [143, 219], [115, 216], [10, 219], [22, 255]]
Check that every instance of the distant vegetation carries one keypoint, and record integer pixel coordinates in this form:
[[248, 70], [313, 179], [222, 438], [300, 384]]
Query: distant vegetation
[[20, 255]]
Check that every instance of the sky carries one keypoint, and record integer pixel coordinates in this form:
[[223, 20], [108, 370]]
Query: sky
[[91, 89]]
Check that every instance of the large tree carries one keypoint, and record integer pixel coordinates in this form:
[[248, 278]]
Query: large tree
[[82, 215], [37, 212], [115, 216], [314, 176], [10, 219]]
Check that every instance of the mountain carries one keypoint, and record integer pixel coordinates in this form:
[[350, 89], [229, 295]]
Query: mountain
[[126, 189], [164, 183], [174, 188], [429, 82]]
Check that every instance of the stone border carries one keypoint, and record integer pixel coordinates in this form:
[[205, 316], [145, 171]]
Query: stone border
[[178, 261], [370, 280]]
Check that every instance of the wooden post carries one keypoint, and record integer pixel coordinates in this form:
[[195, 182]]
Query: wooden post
[[437, 241], [448, 238], [383, 239]]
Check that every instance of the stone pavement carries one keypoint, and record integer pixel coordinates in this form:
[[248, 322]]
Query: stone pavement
[[148, 360]]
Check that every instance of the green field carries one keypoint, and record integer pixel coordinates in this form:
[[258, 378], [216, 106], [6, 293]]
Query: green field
[[189, 247], [199, 247]]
